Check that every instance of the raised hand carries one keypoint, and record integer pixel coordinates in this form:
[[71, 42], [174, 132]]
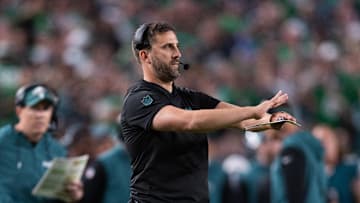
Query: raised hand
[[277, 100]]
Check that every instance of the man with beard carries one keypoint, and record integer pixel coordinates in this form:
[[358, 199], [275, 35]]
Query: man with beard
[[164, 125]]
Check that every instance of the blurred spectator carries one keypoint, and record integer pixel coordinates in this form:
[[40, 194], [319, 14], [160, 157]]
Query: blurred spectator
[[291, 45], [298, 172], [341, 173], [99, 142], [258, 178], [217, 177], [236, 167], [93, 140], [227, 155], [78, 141], [107, 180]]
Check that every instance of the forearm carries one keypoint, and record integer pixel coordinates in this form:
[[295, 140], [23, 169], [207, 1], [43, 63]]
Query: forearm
[[170, 118], [247, 122], [207, 120], [250, 122]]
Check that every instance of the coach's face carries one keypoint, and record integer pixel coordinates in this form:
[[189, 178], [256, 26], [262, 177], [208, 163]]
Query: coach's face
[[34, 121], [165, 56]]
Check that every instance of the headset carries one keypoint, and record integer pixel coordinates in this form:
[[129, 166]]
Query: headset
[[24, 90], [141, 40]]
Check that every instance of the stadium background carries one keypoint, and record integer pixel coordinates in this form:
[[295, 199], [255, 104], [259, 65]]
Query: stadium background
[[240, 51]]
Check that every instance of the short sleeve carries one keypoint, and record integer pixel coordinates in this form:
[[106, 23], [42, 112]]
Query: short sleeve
[[206, 101], [199, 100], [141, 107]]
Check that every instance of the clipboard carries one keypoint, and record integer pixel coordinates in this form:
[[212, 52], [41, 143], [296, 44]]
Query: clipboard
[[270, 125]]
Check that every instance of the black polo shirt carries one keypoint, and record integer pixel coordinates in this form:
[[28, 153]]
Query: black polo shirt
[[167, 166]]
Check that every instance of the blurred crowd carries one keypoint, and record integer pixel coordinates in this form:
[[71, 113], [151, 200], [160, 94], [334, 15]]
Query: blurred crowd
[[240, 51]]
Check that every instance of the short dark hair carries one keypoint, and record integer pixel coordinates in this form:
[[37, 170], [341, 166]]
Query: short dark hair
[[144, 35]]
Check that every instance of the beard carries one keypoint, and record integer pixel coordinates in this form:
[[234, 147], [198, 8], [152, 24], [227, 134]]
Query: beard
[[164, 71]]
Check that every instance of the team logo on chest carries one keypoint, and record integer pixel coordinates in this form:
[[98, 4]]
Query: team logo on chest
[[147, 100]]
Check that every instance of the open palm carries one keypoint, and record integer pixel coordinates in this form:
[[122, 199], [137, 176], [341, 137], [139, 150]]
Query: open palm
[[277, 100]]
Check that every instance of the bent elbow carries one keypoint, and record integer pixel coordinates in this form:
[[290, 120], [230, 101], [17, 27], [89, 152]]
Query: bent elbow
[[194, 125]]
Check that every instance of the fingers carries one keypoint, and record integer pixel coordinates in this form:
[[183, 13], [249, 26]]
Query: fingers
[[279, 99], [289, 117], [282, 116], [277, 94], [75, 189]]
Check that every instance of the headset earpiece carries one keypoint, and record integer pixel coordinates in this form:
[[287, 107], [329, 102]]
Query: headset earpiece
[[20, 95], [141, 40]]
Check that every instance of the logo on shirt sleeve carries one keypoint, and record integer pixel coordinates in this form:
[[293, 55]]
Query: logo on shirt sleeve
[[147, 100], [286, 160]]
